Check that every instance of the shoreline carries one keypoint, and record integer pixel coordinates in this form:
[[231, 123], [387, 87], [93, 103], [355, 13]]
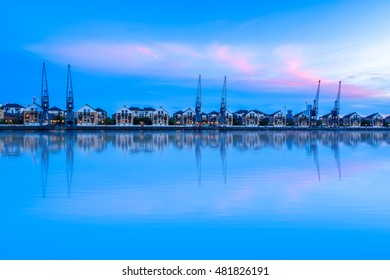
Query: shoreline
[[184, 128]]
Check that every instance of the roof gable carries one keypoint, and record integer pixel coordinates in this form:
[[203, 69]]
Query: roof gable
[[377, 115], [87, 107], [351, 114], [55, 109]]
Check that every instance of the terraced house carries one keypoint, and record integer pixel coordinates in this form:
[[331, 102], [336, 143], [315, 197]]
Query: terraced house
[[375, 120], [188, 117], [277, 119], [124, 116], [102, 115], [252, 118], [13, 112], [352, 120], [32, 114], [301, 119], [86, 115], [160, 117], [228, 118]]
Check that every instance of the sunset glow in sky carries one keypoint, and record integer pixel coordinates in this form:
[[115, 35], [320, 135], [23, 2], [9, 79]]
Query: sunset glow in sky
[[151, 53]]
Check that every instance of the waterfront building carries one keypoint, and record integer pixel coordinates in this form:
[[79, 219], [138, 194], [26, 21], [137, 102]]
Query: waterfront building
[[32, 115], [375, 120], [55, 111], [239, 116], [13, 109], [177, 116], [352, 120], [326, 119], [160, 117], [252, 118], [204, 117], [188, 117], [213, 118], [12, 113], [148, 112], [1, 113], [124, 116], [228, 118], [86, 115], [137, 112], [102, 115], [301, 119], [386, 120], [277, 119], [57, 116]]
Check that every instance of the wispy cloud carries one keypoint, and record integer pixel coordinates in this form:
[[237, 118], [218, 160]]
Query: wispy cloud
[[278, 67]]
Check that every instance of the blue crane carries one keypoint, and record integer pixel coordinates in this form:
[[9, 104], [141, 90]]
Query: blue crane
[[198, 103], [45, 117], [336, 109], [70, 115], [222, 112], [313, 114]]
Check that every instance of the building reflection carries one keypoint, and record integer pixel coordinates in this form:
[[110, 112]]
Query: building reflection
[[39, 146], [44, 143], [16, 144]]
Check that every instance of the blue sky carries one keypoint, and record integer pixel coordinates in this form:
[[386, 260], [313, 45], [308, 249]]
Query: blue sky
[[150, 54]]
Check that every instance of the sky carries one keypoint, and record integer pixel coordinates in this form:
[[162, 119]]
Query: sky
[[150, 53]]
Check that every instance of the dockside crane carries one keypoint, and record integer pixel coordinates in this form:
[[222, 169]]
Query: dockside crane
[[336, 109], [70, 115], [223, 147], [336, 149], [314, 109], [69, 144], [198, 156], [45, 118], [222, 112], [198, 103]]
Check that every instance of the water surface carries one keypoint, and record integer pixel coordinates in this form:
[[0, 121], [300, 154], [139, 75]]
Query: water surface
[[195, 195]]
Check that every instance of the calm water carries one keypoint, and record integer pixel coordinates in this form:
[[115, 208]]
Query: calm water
[[184, 195]]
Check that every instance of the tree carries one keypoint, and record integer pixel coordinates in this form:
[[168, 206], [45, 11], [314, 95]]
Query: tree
[[109, 121], [264, 121], [59, 120], [172, 121], [290, 123], [365, 123]]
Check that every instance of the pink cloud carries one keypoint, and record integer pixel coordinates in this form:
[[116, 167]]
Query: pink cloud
[[236, 59], [146, 51], [279, 68]]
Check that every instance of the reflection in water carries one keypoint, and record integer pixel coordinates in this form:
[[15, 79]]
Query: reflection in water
[[198, 154], [223, 155], [44, 162], [336, 149], [312, 150], [69, 160], [14, 144], [128, 191]]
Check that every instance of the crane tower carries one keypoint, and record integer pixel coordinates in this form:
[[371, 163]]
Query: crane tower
[[314, 108], [336, 109], [198, 104], [222, 111], [70, 116], [45, 118]]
